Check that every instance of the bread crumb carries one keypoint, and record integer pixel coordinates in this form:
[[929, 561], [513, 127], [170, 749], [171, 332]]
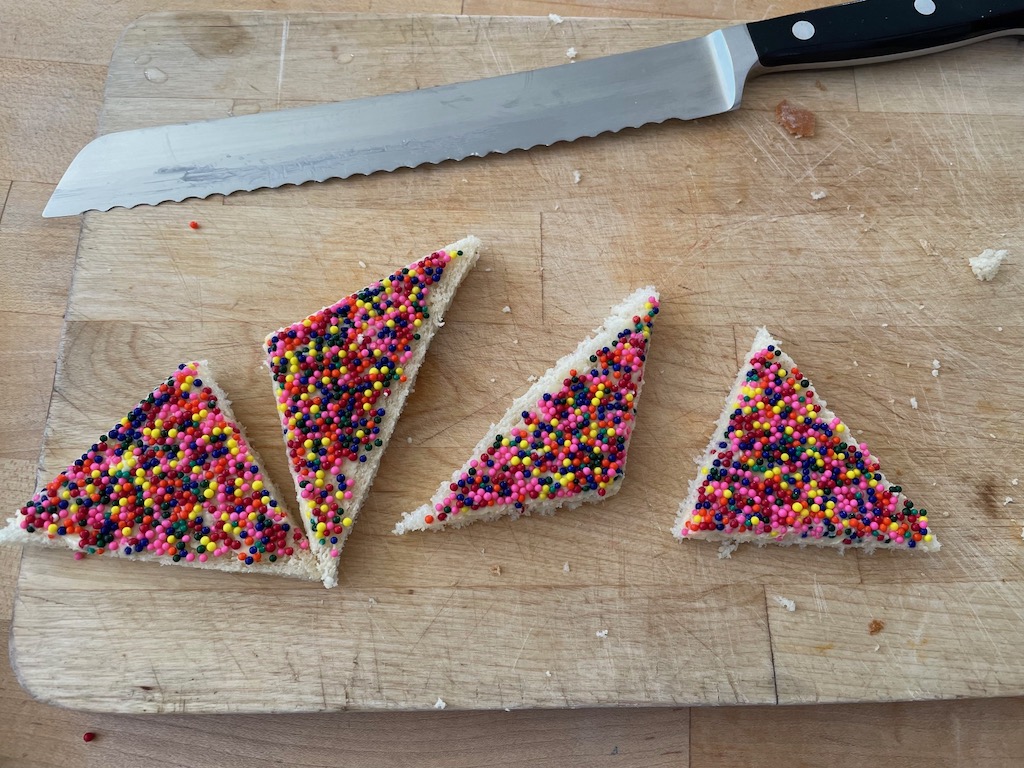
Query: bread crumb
[[785, 602], [515, 341], [986, 264], [856, 364], [935, 367], [876, 648], [488, 269], [440, 703], [799, 122], [920, 306], [728, 547], [571, 54], [1007, 501], [362, 265], [565, 568], [408, 440], [603, 633], [547, 673], [372, 601], [496, 570], [819, 194], [555, 18], [493, 380], [999, 328], [531, 378], [1015, 481], [875, 626], [577, 177], [913, 403], [506, 309], [927, 248]]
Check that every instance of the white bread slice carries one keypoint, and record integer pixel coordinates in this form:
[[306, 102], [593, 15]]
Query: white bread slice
[[632, 317], [192, 382], [352, 452], [804, 530]]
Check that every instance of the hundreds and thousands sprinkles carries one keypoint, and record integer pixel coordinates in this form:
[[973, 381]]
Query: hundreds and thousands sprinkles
[[174, 479], [785, 469], [572, 441], [333, 374]]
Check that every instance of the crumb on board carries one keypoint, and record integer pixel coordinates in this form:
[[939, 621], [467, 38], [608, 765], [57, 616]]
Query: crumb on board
[[571, 54], [493, 380], [488, 269], [554, 18], [565, 568], [547, 673], [913, 403], [408, 440], [515, 341], [362, 265], [1007, 501], [875, 626], [885, 325], [999, 328], [936, 365], [602, 633], [1015, 481], [373, 601], [727, 548], [531, 378], [440, 703], [506, 309], [819, 194], [785, 602], [799, 122], [577, 177], [927, 247], [496, 570], [986, 264]]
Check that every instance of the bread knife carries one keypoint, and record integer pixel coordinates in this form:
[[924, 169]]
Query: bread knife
[[684, 80]]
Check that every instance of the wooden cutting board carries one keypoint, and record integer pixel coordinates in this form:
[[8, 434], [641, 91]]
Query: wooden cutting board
[[922, 163]]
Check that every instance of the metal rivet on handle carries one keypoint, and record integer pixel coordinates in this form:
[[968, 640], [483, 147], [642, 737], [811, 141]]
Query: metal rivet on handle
[[803, 30], [924, 7]]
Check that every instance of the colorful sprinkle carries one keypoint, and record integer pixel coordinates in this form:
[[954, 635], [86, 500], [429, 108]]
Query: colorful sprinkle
[[193, 225], [783, 470], [88, 736], [573, 441], [333, 374], [175, 478]]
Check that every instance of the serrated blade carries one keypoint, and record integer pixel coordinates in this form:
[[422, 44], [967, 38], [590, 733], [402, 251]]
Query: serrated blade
[[685, 80]]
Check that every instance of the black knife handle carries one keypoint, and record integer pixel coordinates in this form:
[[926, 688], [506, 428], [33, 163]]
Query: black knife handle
[[880, 29]]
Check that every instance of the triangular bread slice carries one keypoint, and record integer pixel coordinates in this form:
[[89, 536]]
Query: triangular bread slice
[[565, 441], [783, 468], [341, 377], [175, 481]]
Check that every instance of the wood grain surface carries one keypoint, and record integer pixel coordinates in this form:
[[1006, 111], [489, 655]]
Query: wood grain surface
[[951, 733]]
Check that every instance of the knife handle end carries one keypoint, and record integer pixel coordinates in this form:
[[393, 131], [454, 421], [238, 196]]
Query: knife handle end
[[878, 30]]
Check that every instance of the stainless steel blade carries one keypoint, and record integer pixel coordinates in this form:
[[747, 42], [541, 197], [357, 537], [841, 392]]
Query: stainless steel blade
[[685, 80]]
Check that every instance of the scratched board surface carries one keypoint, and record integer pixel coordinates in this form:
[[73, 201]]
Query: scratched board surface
[[922, 165]]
